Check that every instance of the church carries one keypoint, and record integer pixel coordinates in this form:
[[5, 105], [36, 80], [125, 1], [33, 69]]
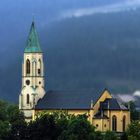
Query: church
[[104, 111]]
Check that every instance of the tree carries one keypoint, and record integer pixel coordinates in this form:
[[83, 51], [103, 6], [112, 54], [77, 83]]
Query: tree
[[18, 131], [62, 126], [109, 135], [3, 110], [133, 112], [43, 128], [4, 129], [14, 114], [11, 121], [133, 130], [78, 129]]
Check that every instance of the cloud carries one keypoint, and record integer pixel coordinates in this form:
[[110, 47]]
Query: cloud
[[126, 97], [129, 97], [117, 7], [137, 93]]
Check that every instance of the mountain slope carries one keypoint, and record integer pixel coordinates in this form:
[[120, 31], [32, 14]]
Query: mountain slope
[[102, 50]]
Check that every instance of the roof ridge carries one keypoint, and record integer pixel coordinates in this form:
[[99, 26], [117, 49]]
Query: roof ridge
[[70, 90]]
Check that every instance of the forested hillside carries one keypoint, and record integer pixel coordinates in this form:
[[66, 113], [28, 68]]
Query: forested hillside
[[101, 50]]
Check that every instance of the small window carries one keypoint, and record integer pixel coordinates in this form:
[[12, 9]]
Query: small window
[[27, 82], [39, 71], [97, 125], [28, 99], [105, 125]]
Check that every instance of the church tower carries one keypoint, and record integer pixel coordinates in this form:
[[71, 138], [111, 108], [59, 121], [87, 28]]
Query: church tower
[[32, 74]]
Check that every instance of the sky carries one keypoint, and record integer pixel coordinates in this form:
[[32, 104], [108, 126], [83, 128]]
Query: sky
[[14, 13], [123, 5], [48, 11], [17, 15], [54, 9]]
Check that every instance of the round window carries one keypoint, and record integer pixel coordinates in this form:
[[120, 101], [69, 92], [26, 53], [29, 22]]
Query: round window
[[39, 82], [27, 82]]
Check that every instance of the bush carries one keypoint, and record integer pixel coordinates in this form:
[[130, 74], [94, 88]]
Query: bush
[[133, 130], [109, 135]]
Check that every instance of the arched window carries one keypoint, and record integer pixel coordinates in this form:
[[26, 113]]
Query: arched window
[[28, 99], [27, 66], [124, 123], [39, 68], [34, 68], [114, 123]]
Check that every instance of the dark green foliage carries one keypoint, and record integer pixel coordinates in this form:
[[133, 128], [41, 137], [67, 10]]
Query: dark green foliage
[[61, 126], [3, 110], [110, 136], [133, 131], [78, 129], [58, 125], [135, 115], [55, 126], [96, 136], [4, 129], [14, 114], [18, 130], [124, 136], [44, 128], [10, 119]]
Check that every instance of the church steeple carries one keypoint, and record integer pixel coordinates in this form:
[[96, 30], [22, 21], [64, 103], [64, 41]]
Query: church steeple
[[33, 45], [32, 74]]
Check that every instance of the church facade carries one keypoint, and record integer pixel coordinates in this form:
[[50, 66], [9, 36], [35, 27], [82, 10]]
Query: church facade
[[104, 111]]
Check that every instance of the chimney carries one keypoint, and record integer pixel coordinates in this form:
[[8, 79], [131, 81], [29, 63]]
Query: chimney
[[91, 104]]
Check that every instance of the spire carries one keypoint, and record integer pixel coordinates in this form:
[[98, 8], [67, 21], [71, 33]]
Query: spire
[[32, 45]]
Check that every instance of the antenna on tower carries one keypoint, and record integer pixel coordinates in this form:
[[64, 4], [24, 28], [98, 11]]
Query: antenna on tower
[[33, 17]]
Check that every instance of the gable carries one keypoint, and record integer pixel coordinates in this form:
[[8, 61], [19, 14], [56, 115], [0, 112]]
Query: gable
[[104, 95]]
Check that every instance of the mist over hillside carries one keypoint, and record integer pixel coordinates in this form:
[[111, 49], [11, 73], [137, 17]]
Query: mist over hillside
[[99, 50], [91, 51]]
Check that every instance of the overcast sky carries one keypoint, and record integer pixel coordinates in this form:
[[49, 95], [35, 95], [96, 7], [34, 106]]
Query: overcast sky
[[107, 8]]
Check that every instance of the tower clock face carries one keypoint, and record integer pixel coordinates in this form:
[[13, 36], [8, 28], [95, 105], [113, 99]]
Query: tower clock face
[[27, 82]]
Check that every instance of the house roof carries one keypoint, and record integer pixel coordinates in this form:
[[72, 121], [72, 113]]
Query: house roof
[[80, 100], [112, 104], [68, 99], [33, 45]]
